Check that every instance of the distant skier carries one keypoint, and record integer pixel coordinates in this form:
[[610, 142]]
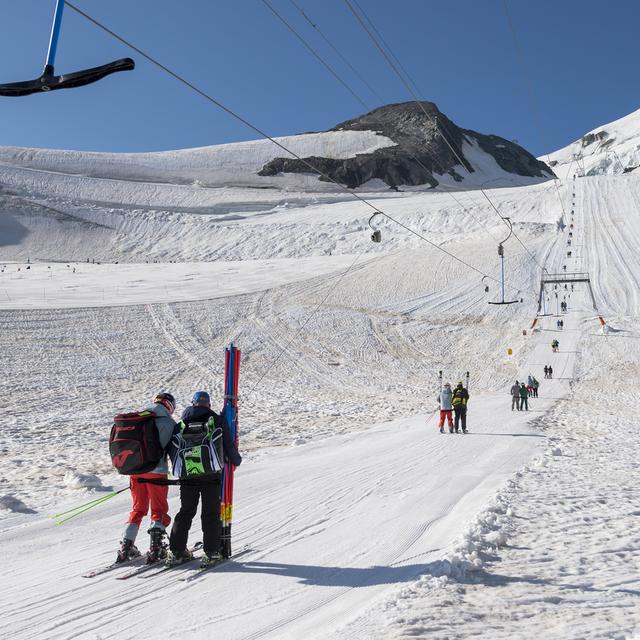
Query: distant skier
[[546, 371], [536, 384], [529, 385], [444, 403], [459, 402], [550, 371], [147, 495], [515, 396], [524, 395], [202, 442]]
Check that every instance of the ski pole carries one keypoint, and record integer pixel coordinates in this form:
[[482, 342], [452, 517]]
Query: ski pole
[[86, 506], [96, 500]]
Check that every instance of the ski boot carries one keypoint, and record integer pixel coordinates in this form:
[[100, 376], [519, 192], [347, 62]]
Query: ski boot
[[441, 429], [450, 430], [210, 558], [178, 557], [464, 431], [158, 546], [127, 551]]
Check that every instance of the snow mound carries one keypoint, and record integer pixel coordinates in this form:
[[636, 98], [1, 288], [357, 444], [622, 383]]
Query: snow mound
[[11, 503], [74, 480]]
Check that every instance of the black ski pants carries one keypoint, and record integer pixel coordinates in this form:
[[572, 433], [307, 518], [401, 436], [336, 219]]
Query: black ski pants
[[460, 417], [209, 514]]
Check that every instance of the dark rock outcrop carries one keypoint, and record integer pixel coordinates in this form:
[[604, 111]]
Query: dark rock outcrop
[[426, 144]]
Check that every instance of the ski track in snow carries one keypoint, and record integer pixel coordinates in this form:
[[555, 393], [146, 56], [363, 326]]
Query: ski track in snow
[[363, 520]]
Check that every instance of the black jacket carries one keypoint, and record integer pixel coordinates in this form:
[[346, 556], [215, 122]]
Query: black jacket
[[202, 414]]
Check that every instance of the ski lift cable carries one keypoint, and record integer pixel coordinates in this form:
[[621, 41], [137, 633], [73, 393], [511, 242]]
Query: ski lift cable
[[373, 26], [318, 57], [337, 51], [436, 124], [376, 234], [406, 73], [532, 102], [335, 74], [265, 135], [428, 151]]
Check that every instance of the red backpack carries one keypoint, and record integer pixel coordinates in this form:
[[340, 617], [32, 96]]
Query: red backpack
[[134, 443]]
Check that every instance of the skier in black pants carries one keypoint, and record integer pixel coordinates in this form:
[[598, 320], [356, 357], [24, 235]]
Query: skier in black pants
[[459, 401], [207, 486]]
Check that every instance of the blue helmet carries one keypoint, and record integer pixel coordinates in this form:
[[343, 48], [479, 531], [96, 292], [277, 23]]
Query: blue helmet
[[200, 397]]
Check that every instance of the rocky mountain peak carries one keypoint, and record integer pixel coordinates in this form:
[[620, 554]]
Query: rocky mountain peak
[[428, 145]]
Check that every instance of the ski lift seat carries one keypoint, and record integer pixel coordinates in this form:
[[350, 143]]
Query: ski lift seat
[[49, 82]]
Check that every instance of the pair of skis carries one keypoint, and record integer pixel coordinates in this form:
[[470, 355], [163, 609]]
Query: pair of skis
[[189, 568], [159, 566], [138, 563], [230, 416]]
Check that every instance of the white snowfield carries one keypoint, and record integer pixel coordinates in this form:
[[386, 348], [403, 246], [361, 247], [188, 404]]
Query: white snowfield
[[363, 521], [611, 149]]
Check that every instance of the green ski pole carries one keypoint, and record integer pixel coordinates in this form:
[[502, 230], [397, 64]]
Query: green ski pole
[[86, 506]]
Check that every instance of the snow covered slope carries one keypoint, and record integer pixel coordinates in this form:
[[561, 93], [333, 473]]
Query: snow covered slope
[[220, 165], [612, 149], [363, 520]]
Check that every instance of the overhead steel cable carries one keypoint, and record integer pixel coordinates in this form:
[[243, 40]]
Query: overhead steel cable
[[342, 57], [316, 55], [457, 155], [529, 86], [337, 51], [265, 135], [373, 26]]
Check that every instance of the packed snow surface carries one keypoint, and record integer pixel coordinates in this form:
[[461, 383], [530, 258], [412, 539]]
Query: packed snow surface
[[362, 520]]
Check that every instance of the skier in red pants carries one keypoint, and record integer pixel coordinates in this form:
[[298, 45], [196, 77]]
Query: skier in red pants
[[147, 495], [444, 401]]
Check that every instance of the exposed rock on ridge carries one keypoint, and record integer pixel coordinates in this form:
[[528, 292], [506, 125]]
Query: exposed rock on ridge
[[420, 152]]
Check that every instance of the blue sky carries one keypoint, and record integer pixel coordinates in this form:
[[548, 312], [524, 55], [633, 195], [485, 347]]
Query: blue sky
[[581, 57]]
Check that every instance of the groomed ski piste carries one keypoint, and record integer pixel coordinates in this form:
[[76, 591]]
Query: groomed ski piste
[[363, 521]]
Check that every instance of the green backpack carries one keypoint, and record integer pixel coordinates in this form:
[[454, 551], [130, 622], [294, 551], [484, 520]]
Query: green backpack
[[196, 450]]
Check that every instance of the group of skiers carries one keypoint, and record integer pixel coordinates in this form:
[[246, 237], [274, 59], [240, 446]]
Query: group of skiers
[[555, 346], [521, 392], [548, 371], [197, 446], [453, 400], [560, 324]]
